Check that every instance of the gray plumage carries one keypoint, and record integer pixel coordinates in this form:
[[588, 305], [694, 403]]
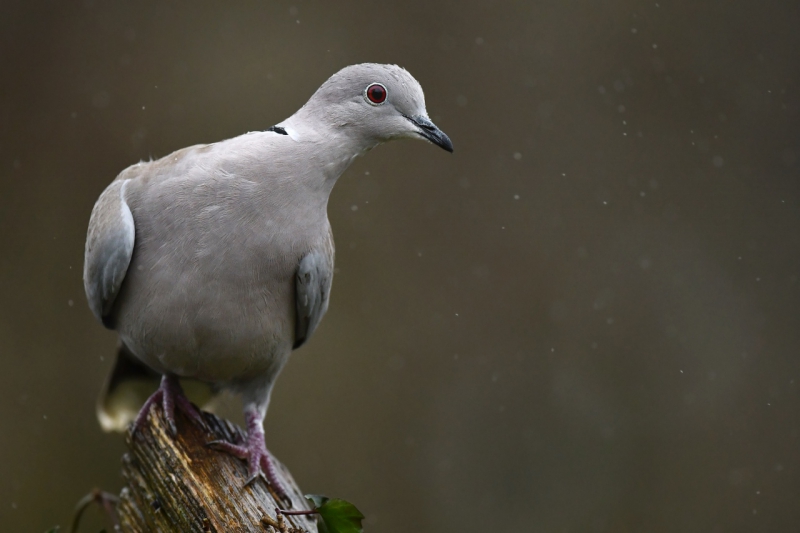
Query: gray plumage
[[314, 277], [215, 261], [109, 246]]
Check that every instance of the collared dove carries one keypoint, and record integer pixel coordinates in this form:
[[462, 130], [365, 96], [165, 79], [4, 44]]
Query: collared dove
[[215, 262]]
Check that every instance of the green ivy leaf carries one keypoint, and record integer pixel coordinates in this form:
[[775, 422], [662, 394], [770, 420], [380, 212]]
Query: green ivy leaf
[[317, 500], [338, 516]]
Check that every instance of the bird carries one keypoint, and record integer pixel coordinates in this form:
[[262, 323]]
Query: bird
[[215, 262]]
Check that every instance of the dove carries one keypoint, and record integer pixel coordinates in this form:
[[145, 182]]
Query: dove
[[215, 262]]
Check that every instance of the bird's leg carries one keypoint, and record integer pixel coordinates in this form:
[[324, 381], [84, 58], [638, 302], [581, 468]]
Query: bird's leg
[[254, 451], [169, 394]]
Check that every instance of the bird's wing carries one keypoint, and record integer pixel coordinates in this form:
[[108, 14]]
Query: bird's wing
[[313, 288], [109, 247]]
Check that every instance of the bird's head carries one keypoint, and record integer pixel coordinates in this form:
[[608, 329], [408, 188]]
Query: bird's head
[[378, 103]]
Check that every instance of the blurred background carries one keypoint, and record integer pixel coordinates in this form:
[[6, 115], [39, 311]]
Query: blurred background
[[586, 319]]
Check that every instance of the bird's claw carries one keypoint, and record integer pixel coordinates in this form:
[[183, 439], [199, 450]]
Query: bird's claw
[[170, 395], [259, 462], [257, 475]]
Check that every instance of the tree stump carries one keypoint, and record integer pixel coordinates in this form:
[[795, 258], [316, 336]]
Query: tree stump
[[180, 484]]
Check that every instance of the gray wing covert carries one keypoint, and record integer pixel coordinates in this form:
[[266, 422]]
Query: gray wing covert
[[313, 289], [109, 247]]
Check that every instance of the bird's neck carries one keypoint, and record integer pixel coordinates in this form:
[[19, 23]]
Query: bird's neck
[[330, 143]]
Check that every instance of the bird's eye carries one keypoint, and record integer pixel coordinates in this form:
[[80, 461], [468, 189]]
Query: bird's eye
[[375, 93]]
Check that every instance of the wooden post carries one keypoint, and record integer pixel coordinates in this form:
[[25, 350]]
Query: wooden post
[[179, 484]]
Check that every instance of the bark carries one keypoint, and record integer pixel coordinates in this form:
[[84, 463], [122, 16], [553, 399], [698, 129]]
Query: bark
[[180, 484]]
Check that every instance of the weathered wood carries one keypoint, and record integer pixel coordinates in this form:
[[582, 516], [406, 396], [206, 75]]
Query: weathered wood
[[180, 484]]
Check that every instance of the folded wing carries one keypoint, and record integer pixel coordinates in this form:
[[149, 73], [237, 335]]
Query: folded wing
[[109, 247], [313, 288]]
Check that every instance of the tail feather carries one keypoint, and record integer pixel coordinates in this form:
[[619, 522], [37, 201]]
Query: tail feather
[[129, 385]]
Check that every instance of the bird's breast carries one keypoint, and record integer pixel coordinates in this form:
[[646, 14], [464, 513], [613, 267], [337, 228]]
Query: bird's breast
[[210, 290]]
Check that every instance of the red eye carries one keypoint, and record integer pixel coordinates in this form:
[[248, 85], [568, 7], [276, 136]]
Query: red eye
[[376, 93]]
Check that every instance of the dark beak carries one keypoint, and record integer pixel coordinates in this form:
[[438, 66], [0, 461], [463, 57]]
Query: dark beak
[[429, 131]]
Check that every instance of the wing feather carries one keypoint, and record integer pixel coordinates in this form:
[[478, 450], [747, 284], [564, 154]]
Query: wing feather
[[109, 247], [313, 288]]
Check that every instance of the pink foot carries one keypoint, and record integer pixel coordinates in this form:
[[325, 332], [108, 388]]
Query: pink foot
[[254, 451], [169, 394]]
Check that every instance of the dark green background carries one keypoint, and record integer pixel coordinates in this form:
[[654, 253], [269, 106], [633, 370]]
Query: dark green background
[[586, 319]]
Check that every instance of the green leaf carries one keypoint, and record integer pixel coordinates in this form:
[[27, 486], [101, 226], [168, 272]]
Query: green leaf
[[340, 516], [54, 530], [317, 500]]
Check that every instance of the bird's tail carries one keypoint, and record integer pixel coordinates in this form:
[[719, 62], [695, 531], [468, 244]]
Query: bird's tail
[[129, 385]]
